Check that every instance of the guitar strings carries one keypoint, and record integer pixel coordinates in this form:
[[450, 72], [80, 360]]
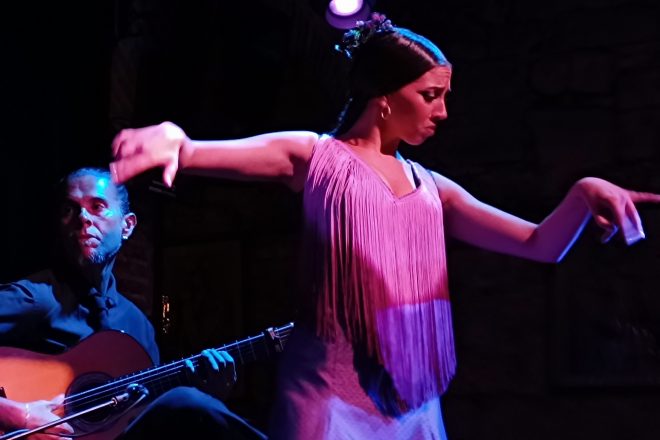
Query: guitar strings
[[159, 374], [239, 349], [162, 372]]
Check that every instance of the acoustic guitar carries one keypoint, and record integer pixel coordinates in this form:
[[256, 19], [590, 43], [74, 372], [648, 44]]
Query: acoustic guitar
[[108, 365]]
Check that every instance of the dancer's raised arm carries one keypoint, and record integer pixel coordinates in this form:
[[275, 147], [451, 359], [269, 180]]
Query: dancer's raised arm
[[279, 156], [612, 208]]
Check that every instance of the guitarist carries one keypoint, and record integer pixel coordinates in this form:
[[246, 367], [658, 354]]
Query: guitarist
[[55, 309]]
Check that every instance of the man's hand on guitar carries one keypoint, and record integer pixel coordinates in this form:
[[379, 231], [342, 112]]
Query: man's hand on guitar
[[18, 415], [215, 372]]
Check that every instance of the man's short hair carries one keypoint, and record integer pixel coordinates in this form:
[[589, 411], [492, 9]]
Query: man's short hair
[[122, 192]]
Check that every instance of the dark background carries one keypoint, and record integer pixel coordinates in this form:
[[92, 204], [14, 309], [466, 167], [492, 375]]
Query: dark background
[[543, 93]]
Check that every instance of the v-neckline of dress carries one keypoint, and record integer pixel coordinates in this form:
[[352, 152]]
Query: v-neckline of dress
[[416, 179]]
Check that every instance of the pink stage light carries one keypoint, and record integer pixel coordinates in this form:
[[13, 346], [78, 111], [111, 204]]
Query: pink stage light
[[345, 7], [343, 14]]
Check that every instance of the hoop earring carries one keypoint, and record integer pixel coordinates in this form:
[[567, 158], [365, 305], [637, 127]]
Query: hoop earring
[[385, 112]]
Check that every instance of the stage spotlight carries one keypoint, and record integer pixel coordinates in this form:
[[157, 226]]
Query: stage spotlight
[[345, 7], [343, 14]]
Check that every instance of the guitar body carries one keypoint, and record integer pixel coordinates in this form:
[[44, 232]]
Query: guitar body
[[27, 376]]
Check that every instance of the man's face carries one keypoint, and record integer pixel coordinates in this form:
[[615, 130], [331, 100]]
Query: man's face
[[91, 221]]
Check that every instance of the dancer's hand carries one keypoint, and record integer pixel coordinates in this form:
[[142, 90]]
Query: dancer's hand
[[613, 208], [139, 149]]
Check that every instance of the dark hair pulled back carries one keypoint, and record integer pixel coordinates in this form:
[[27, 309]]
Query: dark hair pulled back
[[384, 59]]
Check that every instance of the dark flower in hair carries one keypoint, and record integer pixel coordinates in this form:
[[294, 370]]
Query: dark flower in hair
[[363, 32]]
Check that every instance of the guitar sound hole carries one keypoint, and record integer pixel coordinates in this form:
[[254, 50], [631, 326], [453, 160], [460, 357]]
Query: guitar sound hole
[[78, 400]]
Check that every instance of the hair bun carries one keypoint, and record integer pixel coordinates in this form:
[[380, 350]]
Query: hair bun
[[363, 31]]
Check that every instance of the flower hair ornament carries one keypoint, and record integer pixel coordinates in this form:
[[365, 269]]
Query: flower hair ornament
[[363, 32]]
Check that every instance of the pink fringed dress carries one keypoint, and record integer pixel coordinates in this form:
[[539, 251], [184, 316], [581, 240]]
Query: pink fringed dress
[[374, 349]]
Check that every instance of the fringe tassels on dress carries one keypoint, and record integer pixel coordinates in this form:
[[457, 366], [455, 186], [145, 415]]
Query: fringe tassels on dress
[[376, 266]]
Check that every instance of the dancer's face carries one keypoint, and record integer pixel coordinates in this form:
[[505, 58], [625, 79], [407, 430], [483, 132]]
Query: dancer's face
[[418, 107]]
